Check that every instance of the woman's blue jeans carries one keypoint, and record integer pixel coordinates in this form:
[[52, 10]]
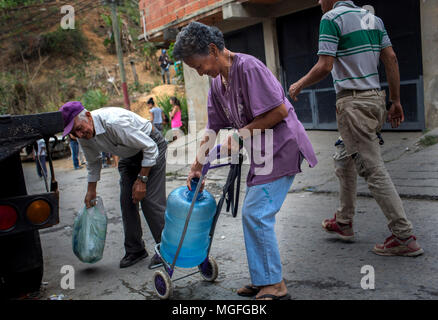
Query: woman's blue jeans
[[260, 206]]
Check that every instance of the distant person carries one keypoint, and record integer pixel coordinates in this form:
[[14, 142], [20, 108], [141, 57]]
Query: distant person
[[142, 168], [178, 69], [164, 66], [157, 114], [40, 159], [351, 53], [74, 147], [175, 117]]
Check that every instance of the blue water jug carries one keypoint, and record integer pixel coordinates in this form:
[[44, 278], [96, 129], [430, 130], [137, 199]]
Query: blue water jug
[[194, 249]]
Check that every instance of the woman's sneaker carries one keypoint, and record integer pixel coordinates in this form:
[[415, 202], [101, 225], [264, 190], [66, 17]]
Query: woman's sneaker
[[342, 231], [394, 246]]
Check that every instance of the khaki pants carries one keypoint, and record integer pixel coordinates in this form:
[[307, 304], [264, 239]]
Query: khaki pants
[[360, 116]]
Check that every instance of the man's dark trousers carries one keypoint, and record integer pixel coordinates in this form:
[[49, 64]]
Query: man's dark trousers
[[153, 205]]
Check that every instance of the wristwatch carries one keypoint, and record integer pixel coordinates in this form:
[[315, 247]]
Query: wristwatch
[[143, 179]]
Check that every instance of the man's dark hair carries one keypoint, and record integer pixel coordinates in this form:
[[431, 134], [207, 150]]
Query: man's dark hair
[[151, 101], [176, 101]]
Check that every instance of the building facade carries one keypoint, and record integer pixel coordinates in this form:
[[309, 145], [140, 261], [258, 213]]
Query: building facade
[[284, 35]]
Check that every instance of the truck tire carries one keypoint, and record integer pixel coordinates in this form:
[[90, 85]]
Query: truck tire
[[20, 273]]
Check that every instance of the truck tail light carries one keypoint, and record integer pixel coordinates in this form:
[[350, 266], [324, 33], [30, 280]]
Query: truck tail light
[[8, 217], [38, 212], [28, 212]]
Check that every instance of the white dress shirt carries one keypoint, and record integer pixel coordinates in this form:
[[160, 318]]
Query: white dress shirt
[[119, 132]]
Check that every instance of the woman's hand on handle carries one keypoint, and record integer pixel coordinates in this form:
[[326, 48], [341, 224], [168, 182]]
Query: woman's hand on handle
[[195, 172]]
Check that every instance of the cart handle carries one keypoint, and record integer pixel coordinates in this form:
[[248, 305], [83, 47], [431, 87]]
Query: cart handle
[[212, 156]]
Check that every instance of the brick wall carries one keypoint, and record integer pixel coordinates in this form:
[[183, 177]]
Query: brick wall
[[162, 12]]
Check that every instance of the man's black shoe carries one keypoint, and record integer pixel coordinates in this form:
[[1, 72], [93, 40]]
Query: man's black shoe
[[132, 258], [155, 262]]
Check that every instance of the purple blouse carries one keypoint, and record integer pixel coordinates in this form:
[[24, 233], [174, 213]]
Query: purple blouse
[[253, 90]]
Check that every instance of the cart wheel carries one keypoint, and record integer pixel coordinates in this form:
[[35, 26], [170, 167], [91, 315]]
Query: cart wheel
[[210, 270], [163, 284]]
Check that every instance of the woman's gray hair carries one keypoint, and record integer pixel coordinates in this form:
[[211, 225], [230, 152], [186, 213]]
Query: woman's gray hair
[[195, 38]]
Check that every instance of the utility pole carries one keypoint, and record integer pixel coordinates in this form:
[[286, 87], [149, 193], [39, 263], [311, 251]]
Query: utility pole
[[134, 72], [116, 32]]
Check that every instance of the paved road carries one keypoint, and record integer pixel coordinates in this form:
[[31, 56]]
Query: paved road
[[315, 266]]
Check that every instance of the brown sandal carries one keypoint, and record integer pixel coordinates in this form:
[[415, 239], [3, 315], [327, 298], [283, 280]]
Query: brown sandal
[[273, 297]]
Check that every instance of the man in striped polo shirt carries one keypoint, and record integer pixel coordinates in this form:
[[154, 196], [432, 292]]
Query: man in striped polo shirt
[[352, 40]]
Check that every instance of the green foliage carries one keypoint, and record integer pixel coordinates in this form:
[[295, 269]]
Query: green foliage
[[170, 51], [130, 9], [20, 95], [8, 4], [164, 103], [141, 88], [148, 51], [428, 141], [6, 91], [94, 99], [107, 19], [109, 42], [69, 42]]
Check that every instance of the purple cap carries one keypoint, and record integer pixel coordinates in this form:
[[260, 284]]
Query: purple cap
[[69, 111]]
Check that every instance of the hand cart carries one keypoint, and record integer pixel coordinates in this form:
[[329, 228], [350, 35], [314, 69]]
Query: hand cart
[[208, 268]]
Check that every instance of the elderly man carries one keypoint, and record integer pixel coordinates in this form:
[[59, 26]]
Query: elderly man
[[142, 168], [351, 42]]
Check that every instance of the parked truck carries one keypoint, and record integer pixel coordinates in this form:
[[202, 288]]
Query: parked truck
[[22, 214]]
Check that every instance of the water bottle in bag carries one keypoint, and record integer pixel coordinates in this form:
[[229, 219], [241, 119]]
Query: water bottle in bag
[[89, 233]]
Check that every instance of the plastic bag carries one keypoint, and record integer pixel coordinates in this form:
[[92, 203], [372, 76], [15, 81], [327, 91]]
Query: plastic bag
[[89, 233]]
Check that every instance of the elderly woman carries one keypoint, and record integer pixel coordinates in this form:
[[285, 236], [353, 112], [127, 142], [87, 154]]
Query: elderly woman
[[245, 95]]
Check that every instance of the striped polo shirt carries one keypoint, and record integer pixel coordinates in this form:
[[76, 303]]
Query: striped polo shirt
[[355, 37]]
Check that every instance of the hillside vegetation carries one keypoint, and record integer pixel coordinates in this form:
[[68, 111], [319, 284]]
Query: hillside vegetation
[[42, 65]]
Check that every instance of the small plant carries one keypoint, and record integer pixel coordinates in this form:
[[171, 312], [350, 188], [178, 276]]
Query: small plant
[[69, 42], [94, 99], [65, 43], [148, 51], [141, 88], [109, 41], [428, 141]]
